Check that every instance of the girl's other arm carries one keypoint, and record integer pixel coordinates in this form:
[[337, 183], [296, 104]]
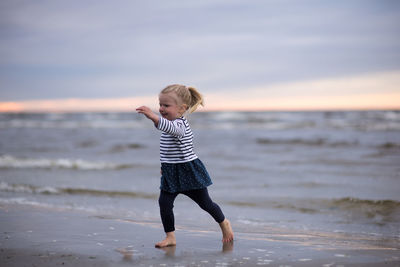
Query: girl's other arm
[[149, 114]]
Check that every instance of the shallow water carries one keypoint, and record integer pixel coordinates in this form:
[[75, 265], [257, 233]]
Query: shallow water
[[331, 171]]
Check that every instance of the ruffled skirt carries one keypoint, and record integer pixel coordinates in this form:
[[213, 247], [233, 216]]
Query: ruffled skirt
[[180, 177]]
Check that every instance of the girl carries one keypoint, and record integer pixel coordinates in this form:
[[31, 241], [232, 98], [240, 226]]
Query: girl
[[181, 169]]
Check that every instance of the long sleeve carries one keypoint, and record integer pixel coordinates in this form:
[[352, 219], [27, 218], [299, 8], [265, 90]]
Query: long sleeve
[[175, 128], [176, 141]]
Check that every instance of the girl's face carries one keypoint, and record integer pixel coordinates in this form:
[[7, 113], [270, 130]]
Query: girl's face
[[170, 106]]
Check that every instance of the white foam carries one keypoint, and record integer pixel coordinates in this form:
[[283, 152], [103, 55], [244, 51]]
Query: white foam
[[7, 161], [70, 124], [24, 201], [5, 187], [248, 222]]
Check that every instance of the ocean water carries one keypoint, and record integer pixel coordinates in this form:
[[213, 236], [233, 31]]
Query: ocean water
[[335, 172]]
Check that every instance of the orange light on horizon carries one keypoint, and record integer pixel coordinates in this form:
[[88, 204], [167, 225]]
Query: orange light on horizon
[[77, 105], [213, 103], [390, 101], [363, 92], [11, 107]]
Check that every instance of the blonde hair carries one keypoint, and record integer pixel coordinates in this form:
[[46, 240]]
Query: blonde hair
[[187, 94]]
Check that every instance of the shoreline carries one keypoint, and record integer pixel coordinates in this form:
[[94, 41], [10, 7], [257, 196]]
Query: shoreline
[[32, 236]]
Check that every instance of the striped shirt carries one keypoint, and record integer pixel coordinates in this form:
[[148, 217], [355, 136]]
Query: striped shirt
[[176, 142]]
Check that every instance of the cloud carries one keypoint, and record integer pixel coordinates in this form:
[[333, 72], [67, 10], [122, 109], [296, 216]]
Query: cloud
[[98, 49]]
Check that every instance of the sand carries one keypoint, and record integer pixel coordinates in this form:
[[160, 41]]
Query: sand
[[31, 236]]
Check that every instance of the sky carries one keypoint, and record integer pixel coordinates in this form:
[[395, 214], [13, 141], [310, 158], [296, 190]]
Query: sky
[[241, 55]]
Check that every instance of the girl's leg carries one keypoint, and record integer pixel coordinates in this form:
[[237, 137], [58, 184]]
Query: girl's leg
[[166, 202], [202, 198]]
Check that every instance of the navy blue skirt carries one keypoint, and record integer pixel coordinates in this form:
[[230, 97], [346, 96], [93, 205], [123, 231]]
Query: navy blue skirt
[[180, 177]]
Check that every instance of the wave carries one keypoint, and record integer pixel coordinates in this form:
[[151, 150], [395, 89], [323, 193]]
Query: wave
[[377, 211], [304, 142], [71, 120], [36, 204], [382, 206], [71, 124], [7, 161], [347, 202], [386, 149], [21, 188], [273, 205], [385, 120], [387, 146], [124, 147], [47, 190], [314, 185]]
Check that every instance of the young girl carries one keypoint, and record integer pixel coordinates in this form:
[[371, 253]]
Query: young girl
[[181, 169]]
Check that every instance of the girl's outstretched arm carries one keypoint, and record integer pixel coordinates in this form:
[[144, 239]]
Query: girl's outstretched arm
[[149, 114]]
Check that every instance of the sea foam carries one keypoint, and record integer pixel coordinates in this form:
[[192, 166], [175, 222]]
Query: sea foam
[[7, 161]]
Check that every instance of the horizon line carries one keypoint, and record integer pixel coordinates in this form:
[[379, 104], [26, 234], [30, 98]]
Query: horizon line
[[207, 110]]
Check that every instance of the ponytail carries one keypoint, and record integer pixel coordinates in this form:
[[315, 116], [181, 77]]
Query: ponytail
[[196, 99]]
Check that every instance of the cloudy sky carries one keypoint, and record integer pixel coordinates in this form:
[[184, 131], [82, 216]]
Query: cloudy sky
[[266, 54]]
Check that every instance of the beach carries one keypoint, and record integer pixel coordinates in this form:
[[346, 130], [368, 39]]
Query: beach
[[300, 189], [48, 237]]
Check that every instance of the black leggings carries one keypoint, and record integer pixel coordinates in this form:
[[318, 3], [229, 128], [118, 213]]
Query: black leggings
[[200, 196]]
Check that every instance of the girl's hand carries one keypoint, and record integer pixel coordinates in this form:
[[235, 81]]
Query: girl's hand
[[145, 111], [148, 113]]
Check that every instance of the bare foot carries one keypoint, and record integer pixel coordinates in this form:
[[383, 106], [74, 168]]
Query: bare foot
[[170, 240], [227, 232]]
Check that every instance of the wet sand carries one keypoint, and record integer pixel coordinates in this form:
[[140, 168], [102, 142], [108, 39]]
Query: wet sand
[[33, 236]]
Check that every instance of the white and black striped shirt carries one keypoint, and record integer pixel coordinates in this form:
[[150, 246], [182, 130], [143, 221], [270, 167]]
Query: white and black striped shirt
[[176, 142]]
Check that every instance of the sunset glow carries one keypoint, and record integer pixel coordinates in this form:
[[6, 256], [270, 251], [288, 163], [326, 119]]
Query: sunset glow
[[347, 93]]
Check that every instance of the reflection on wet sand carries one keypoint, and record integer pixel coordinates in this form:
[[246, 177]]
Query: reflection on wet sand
[[169, 251], [127, 253], [227, 247]]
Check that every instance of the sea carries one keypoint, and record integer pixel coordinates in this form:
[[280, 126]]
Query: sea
[[326, 171]]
